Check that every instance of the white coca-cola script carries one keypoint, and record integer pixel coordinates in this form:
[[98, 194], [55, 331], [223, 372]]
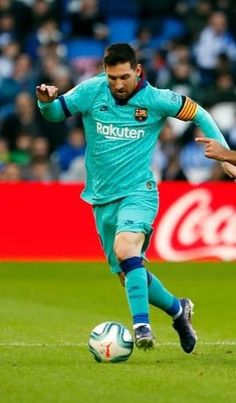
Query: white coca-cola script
[[192, 229]]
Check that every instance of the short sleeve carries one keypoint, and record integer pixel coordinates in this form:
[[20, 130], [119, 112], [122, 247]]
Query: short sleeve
[[76, 100]]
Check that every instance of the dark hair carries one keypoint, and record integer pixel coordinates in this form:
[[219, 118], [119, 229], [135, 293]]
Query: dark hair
[[120, 53]]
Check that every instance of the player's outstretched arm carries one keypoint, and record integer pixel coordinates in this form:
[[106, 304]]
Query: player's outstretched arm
[[215, 150]]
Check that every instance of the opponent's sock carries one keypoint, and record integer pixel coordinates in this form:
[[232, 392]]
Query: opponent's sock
[[136, 287], [161, 298]]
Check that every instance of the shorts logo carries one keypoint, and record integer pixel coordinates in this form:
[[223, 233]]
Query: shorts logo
[[141, 114], [128, 222]]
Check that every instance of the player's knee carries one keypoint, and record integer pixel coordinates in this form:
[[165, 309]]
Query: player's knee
[[123, 251], [127, 245]]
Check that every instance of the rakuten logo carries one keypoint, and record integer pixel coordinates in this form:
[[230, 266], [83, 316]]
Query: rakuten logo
[[192, 229], [119, 133]]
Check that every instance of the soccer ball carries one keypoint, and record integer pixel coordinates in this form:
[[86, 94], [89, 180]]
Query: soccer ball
[[110, 342]]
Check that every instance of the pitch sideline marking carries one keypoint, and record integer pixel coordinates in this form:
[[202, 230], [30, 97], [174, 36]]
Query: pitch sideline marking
[[65, 344]]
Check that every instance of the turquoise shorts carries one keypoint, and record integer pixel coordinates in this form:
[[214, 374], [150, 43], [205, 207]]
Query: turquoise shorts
[[129, 214]]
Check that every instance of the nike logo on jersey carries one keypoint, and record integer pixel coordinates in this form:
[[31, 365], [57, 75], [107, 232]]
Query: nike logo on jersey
[[104, 108]]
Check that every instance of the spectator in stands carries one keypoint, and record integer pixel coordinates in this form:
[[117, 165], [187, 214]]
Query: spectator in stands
[[165, 61], [24, 74], [86, 20], [11, 173], [182, 79], [76, 171], [24, 118], [45, 34], [41, 167], [222, 90], [49, 64], [21, 154], [62, 78], [213, 40], [196, 17], [173, 171], [163, 19], [165, 159], [228, 8], [178, 52], [73, 148], [85, 68], [9, 53], [7, 28], [143, 46], [157, 72], [42, 10], [224, 64], [27, 118], [4, 153], [21, 15], [22, 79], [40, 171]]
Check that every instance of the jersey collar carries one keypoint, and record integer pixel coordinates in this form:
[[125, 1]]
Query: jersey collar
[[141, 84]]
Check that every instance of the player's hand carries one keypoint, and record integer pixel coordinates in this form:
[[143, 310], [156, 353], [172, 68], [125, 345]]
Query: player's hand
[[46, 93], [213, 149], [229, 169]]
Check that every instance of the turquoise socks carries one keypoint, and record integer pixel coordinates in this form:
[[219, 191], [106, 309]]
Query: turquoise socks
[[143, 288], [160, 297], [136, 286]]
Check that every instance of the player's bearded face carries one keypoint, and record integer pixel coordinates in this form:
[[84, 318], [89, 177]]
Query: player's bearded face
[[122, 79]]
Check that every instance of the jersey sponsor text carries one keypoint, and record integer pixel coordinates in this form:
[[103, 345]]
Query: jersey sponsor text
[[121, 133]]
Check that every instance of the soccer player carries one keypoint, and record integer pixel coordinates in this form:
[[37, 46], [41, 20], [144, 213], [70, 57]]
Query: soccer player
[[123, 116], [216, 151]]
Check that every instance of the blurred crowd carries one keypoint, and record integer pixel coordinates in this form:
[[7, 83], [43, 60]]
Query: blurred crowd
[[188, 46]]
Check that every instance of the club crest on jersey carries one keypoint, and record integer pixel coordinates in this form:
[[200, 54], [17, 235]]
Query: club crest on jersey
[[141, 114]]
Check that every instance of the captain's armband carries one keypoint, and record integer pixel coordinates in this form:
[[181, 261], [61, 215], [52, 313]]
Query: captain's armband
[[188, 109]]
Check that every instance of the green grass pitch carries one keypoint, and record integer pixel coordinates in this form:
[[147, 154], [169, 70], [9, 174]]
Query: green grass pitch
[[47, 311]]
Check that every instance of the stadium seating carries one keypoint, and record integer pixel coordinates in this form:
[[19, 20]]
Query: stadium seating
[[122, 29], [84, 48]]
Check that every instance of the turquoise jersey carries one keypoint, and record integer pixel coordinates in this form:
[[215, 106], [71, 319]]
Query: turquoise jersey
[[121, 136]]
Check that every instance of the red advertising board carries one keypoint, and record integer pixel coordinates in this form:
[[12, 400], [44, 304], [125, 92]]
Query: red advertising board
[[50, 221], [195, 222]]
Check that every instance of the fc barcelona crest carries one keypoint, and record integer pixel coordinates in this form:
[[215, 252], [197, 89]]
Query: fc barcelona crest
[[141, 114]]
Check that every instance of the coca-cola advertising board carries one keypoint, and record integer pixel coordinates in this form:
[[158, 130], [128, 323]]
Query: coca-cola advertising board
[[51, 222], [195, 222]]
